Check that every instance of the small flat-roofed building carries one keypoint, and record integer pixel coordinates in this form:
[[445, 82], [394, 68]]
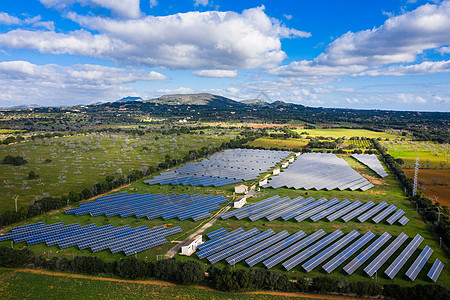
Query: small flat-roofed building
[[190, 248], [276, 171], [262, 182], [241, 189], [240, 202], [285, 164], [291, 159]]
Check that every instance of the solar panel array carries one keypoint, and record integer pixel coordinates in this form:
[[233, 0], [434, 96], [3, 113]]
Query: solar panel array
[[216, 233], [227, 167], [315, 249], [319, 171], [301, 209], [152, 206], [371, 161], [435, 270], [124, 238]]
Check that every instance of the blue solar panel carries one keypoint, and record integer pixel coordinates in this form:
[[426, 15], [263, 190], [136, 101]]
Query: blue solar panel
[[403, 220], [302, 202], [256, 248], [378, 218], [248, 207], [366, 254], [371, 212], [357, 211], [275, 248], [325, 254], [391, 220], [343, 211], [222, 238], [305, 254], [330, 210], [435, 270], [303, 209], [248, 213], [418, 264], [400, 261], [384, 256], [344, 255], [216, 233], [279, 257], [315, 210], [273, 209]]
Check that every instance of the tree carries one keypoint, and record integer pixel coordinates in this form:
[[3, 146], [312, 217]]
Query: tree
[[32, 175], [190, 272]]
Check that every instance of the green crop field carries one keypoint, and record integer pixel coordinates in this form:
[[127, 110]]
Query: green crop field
[[18, 284], [341, 132], [361, 144], [431, 155], [76, 162], [9, 131], [386, 189]]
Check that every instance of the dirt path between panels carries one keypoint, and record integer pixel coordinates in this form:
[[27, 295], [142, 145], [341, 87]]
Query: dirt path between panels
[[164, 283]]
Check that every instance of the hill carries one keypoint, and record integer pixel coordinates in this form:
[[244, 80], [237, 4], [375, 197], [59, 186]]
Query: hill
[[256, 102], [129, 99], [195, 99]]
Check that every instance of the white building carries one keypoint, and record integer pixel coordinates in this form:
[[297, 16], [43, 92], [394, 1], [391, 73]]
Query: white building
[[291, 159], [285, 164], [262, 182], [276, 171], [241, 189], [240, 202], [192, 246]]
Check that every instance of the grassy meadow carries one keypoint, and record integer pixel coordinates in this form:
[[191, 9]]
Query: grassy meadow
[[77, 162], [344, 132]]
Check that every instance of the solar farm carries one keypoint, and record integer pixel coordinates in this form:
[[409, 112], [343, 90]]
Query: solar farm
[[318, 216]]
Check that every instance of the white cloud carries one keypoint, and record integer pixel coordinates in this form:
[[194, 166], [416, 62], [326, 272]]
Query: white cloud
[[22, 82], [215, 73], [153, 3], [288, 17], [427, 67], [6, 19], [180, 90], [444, 50], [200, 2], [124, 8], [310, 68], [399, 40], [193, 40], [411, 99]]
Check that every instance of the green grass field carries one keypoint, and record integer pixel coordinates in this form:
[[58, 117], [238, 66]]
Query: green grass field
[[77, 162], [17, 284], [431, 155], [361, 144], [287, 144], [341, 132]]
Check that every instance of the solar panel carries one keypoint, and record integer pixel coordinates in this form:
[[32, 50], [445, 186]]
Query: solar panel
[[344, 255], [227, 236], [325, 254], [279, 257], [366, 254], [371, 161], [371, 212], [418, 264], [240, 246], [378, 218], [357, 211], [384, 256], [391, 220], [330, 210], [227, 243], [398, 263], [301, 202], [251, 261], [403, 220], [248, 207], [300, 257], [343, 211], [256, 248], [296, 212], [273, 209], [435, 270], [216, 233], [315, 210]]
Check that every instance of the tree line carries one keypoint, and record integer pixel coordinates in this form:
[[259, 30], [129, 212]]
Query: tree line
[[226, 279]]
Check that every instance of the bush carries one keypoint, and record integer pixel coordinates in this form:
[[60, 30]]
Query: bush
[[133, 268], [32, 175], [16, 161]]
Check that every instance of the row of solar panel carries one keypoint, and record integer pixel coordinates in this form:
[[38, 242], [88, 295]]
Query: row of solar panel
[[319, 171], [152, 206], [272, 249], [227, 167], [301, 209], [124, 238], [371, 161]]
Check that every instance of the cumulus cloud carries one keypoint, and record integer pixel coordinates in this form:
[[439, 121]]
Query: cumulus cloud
[[7, 19], [193, 40], [215, 73], [180, 90], [427, 67], [153, 3], [399, 40], [24, 82], [124, 8], [311, 68]]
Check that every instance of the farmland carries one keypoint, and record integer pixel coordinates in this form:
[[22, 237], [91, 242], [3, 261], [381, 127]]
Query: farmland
[[344, 132], [433, 183], [287, 144], [73, 163]]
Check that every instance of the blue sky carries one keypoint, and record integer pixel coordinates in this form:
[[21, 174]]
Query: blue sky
[[386, 54]]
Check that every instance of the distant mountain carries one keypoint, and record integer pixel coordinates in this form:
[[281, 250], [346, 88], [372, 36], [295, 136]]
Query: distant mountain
[[255, 102], [26, 106], [194, 99], [129, 99]]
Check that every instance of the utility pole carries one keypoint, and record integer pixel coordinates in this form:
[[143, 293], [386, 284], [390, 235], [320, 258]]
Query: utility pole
[[15, 200]]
